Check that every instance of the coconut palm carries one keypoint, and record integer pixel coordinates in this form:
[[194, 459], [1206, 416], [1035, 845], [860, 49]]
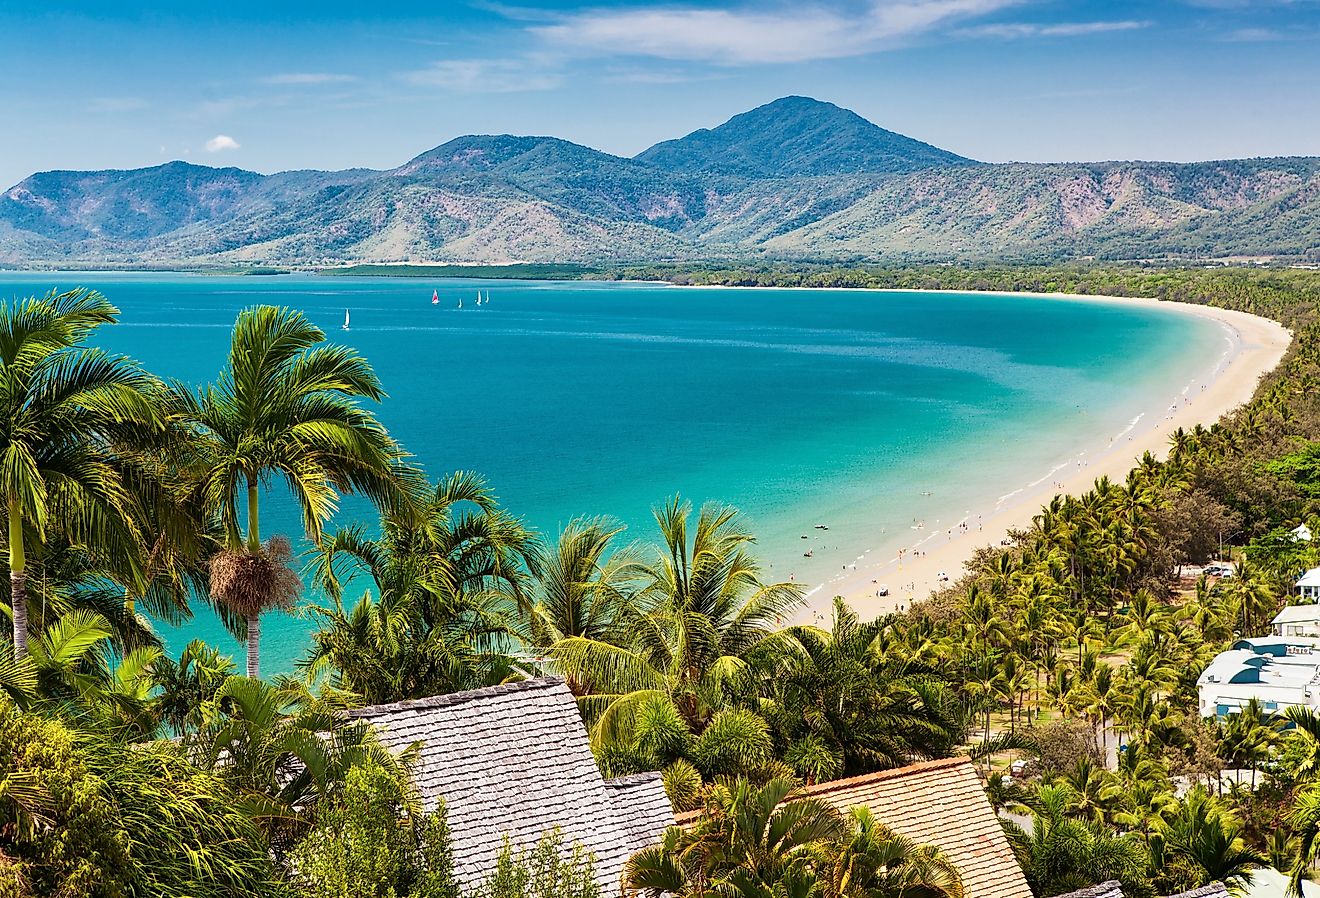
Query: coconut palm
[[448, 578], [584, 589], [1059, 854], [748, 834], [840, 706], [758, 842], [1211, 840], [70, 413], [702, 611], [286, 406]]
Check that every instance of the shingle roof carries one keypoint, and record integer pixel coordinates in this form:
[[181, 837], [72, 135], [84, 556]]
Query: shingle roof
[[940, 803], [515, 760], [1213, 890], [1111, 889], [643, 804]]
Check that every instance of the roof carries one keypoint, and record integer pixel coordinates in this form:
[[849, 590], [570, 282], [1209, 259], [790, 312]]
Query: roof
[[514, 760], [1302, 533], [1214, 890], [1298, 614], [940, 803], [1111, 889], [1310, 578]]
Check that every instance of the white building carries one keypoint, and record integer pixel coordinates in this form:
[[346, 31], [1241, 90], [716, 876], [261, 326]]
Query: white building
[[1277, 671], [1302, 533], [1297, 620], [1308, 585]]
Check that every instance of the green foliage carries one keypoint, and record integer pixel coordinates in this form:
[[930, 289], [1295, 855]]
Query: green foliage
[[544, 871], [369, 841], [448, 574], [755, 842], [58, 830]]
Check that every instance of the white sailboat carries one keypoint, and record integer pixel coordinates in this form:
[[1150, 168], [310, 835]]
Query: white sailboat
[[435, 297], [478, 297], [345, 319], [460, 302]]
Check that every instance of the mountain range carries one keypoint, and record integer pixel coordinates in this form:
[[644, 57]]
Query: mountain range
[[794, 179]]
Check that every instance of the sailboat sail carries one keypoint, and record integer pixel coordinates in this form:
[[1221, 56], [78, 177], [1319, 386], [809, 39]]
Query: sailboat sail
[[346, 319], [435, 297]]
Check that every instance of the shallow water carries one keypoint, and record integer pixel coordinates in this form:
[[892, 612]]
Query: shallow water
[[864, 410]]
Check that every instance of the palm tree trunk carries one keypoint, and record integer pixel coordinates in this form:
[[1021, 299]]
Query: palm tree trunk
[[254, 620], [253, 645], [254, 528], [18, 579]]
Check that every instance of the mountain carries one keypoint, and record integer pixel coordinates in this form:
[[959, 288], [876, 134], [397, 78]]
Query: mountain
[[796, 178], [797, 137]]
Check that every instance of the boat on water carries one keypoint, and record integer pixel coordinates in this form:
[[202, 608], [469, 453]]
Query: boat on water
[[460, 302], [346, 319], [435, 297], [478, 297]]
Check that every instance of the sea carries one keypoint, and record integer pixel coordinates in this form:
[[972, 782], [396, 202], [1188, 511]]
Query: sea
[[866, 412]]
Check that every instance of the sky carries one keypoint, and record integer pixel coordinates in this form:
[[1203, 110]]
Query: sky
[[278, 85]]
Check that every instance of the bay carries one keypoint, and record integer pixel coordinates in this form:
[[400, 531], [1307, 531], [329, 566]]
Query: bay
[[863, 409]]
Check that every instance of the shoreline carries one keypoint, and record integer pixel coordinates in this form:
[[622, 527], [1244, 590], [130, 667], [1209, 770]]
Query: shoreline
[[1256, 346]]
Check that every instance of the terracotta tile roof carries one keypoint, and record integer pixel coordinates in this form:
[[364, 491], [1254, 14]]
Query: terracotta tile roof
[[939, 803], [515, 760]]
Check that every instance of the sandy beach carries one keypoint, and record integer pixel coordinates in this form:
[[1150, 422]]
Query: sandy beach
[[1253, 347]]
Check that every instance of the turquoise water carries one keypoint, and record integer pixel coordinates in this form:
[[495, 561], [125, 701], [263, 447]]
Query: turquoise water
[[601, 398]]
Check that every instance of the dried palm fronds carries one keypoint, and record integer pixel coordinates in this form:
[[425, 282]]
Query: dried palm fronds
[[251, 582]]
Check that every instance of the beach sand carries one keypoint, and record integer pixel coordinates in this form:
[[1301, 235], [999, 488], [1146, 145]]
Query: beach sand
[[1256, 345]]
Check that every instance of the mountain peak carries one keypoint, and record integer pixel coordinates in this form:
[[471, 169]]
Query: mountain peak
[[798, 136]]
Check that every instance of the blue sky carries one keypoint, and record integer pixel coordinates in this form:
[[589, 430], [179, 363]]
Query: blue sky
[[271, 85]]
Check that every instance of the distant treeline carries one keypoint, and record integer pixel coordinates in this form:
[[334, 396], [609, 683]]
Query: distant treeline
[[520, 271], [1288, 295]]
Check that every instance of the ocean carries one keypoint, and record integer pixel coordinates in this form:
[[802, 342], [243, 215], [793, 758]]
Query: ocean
[[866, 411]]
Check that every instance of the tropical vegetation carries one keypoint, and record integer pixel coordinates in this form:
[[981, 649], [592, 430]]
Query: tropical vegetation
[[1064, 662]]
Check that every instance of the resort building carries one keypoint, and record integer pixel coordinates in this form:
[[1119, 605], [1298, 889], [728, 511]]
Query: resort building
[[514, 761], [1308, 585], [940, 803], [1277, 671], [1301, 533], [1297, 620]]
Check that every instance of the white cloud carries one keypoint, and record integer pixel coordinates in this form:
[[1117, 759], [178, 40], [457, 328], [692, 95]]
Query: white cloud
[[221, 142], [308, 78], [485, 76], [1059, 29], [747, 36]]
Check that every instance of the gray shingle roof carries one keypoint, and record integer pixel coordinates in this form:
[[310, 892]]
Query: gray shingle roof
[[644, 806], [1111, 889], [1213, 890], [515, 760]]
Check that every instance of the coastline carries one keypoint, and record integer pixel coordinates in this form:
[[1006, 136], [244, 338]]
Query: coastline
[[1256, 346]]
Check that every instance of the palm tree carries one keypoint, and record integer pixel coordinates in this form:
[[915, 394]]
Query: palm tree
[[751, 833], [757, 842], [283, 756], [1060, 854], [188, 687], [286, 407], [584, 590], [69, 413], [702, 612], [448, 579], [840, 706], [1208, 837]]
